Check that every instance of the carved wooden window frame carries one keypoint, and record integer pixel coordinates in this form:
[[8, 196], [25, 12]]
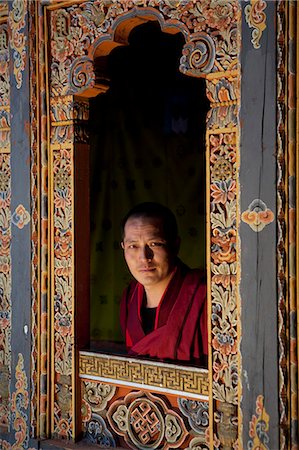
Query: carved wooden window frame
[[78, 32], [5, 214]]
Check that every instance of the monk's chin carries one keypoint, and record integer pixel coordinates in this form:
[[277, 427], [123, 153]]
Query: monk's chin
[[149, 277]]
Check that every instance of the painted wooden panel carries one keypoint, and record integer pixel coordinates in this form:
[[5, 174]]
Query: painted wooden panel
[[258, 228]]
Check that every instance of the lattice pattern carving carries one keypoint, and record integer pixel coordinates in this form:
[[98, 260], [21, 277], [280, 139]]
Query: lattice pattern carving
[[191, 381]]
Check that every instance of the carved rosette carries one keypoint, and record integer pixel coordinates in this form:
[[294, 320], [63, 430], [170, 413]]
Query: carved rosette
[[257, 215], [211, 30], [145, 421]]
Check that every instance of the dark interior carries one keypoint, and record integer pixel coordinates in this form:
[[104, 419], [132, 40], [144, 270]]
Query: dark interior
[[147, 144]]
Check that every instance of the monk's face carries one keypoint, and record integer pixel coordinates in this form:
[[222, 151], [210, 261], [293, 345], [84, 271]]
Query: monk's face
[[149, 258]]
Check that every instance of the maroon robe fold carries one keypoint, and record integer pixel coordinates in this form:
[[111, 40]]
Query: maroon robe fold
[[180, 331]]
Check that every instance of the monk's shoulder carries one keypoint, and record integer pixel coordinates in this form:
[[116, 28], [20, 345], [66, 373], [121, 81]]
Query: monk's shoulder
[[128, 291]]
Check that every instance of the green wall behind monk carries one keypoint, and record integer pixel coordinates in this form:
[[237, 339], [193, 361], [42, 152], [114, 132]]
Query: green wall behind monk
[[147, 145]]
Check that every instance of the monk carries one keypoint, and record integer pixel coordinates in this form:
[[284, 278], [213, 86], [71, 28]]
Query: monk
[[163, 310]]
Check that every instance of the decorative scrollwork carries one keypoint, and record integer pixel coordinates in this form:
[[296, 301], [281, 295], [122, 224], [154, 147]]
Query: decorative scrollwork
[[256, 19], [97, 432], [198, 444], [198, 56], [97, 395], [82, 75], [196, 412], [19, 405], [259, 427]]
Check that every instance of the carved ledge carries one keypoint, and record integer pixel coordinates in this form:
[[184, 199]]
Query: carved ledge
[[156, 376]]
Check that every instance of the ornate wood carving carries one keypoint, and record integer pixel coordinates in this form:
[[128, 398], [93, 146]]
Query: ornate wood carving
[[188, 380], [5, 229], [78, 34]]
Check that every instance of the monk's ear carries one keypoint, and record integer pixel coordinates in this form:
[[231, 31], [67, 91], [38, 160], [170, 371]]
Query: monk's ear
[[122, 245]]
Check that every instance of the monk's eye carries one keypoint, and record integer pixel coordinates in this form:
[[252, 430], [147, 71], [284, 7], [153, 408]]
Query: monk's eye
[[132, 246], [157, 244]]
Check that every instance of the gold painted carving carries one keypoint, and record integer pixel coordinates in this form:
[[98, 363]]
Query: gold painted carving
[[256, 19], [173, 378]]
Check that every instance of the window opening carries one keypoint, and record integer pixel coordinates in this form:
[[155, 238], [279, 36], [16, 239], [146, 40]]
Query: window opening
[[147, 144]]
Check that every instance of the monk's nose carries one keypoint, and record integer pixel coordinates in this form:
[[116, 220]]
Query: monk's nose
[[146, 253]]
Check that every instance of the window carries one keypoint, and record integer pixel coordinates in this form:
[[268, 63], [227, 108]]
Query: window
[[147, 144]]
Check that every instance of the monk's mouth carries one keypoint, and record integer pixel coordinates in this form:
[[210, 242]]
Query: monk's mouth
[[147, 269]]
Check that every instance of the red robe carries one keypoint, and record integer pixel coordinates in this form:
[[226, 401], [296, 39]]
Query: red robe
[[180, 331]]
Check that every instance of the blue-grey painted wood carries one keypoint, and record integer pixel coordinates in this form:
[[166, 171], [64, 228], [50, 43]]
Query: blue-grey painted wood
[[21, 238], [258, 249]]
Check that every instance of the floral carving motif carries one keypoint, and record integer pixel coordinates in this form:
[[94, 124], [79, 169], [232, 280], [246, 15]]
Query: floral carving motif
[[223, 148], [223, 90], [256, 19], [17, 21], [5, 288], [4, 394], [257, 216], [63, 246], [4, 72], [4, 182]]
